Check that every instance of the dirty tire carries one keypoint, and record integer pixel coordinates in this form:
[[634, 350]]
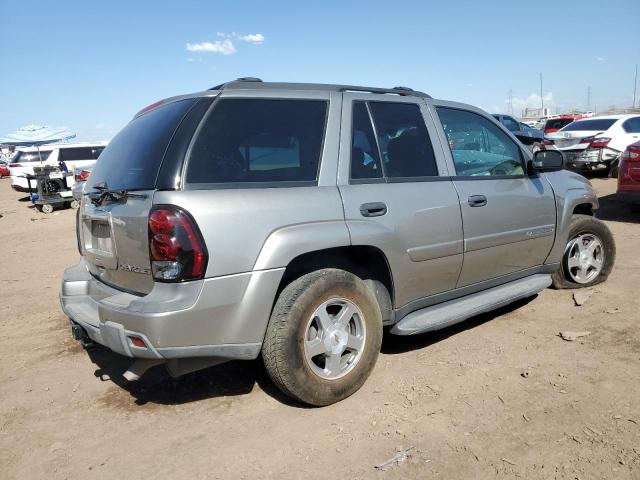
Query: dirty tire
[[283, 348], [580, 225]]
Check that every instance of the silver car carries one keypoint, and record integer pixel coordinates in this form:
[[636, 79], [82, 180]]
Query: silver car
[[295, 221]]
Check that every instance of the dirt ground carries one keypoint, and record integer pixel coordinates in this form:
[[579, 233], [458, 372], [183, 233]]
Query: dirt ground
[[498, 396]]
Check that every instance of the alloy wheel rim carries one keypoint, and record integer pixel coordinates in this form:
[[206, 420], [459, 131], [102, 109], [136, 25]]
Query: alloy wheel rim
[[334, 338], [585, 258]]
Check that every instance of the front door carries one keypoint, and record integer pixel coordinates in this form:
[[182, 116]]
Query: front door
[[509, 217], [397, 194]]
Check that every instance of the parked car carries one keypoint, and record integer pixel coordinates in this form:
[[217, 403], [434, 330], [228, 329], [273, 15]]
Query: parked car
[[529, 136], [69, 155], [595, 144], [295, 221], [81, 176], [554, 124], [629, 176], [4, 169]]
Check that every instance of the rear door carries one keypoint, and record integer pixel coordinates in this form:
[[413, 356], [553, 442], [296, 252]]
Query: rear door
[[630, 134], [397, 194], [509, 217]]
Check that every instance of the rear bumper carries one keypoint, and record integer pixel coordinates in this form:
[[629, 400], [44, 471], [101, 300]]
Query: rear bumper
[[223, 317], [630, 197], [589, 160]]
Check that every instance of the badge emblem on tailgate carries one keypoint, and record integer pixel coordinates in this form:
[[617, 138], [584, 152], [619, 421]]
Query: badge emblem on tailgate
[[133, 268]]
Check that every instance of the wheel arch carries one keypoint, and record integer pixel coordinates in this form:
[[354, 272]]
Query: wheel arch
[[367, 262]]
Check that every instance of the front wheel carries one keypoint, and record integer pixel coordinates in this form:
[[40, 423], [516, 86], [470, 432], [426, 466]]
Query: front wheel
[[589, 254], [323, 337]]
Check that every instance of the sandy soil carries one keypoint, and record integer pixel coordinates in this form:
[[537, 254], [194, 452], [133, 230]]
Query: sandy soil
[[498, 396]]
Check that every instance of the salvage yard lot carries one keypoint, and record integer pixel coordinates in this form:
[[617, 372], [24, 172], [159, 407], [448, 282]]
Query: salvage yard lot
[[501, 395]]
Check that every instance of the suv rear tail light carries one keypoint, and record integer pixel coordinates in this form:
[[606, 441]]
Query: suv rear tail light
[[546, 143], [596, 142], [83, 175], [176, 247], [631, 154]]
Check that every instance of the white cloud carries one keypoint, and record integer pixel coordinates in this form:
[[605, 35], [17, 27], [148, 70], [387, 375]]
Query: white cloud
[[193, 60], [532, 101], [225, 47], [600, 59], [255, 38]]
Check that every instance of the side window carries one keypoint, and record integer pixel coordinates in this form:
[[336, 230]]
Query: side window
[[405, 147], [81, 153], [365, 161], [478, 147], [632, 125], [259, 140]]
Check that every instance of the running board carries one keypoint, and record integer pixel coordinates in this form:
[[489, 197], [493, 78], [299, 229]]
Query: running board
[[449, 313]]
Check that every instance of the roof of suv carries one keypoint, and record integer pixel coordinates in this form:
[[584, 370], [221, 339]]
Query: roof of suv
[[251, 83]]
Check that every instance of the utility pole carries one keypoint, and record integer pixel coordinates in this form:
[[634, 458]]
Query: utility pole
[[511, 102], [635, 84], [541, 98], [588, 98]]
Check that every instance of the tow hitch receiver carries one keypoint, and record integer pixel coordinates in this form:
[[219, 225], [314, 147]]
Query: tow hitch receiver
[[81, 335]]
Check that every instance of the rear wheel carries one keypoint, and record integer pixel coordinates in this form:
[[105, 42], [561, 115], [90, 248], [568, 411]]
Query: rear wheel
[[46, 208], [323, 337], [589, 254]]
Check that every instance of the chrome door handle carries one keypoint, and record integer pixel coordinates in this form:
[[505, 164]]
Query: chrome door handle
[[373, 209], [477, 201]]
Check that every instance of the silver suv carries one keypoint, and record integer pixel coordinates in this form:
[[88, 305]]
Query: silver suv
[[297, 221]]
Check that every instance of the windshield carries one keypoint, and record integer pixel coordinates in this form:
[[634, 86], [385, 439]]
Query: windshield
[[132, 159], [557, 124], [591, 124]]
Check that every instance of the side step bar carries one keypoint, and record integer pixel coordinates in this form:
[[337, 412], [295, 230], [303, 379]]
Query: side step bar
[[449, 313]]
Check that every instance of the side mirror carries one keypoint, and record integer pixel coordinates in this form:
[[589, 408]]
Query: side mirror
[[547, 161]]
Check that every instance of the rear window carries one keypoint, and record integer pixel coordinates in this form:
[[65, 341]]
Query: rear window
[[26, 157], [593, 124], [259, 141], [132, 159], [557, 124]]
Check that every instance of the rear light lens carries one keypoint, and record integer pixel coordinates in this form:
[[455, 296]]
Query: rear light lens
[[176, 247], [546, 143], [631, 154], [596, 142], [148, 108], [83, 175]]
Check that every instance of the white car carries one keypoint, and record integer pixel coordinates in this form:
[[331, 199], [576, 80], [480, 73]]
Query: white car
[[596, 143], [72, 155]]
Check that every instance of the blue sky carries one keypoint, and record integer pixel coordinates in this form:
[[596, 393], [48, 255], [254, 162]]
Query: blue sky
[[91, 65]]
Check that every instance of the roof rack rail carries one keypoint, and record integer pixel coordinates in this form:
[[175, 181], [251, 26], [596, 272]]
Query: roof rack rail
[[256, 83]]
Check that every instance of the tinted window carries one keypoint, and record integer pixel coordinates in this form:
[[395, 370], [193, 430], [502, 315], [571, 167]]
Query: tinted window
[[133, 157], [479, 147], [80, 153], [593, 124], [632, 125], [365, 161], [403, 140], [557, 124], [259, 140], [511, 124], [26, 157]]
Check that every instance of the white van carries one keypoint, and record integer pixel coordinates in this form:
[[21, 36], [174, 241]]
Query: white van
[[73, 155]]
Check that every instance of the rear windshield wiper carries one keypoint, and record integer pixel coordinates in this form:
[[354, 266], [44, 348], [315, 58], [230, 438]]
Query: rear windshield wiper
[[114, 195]]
